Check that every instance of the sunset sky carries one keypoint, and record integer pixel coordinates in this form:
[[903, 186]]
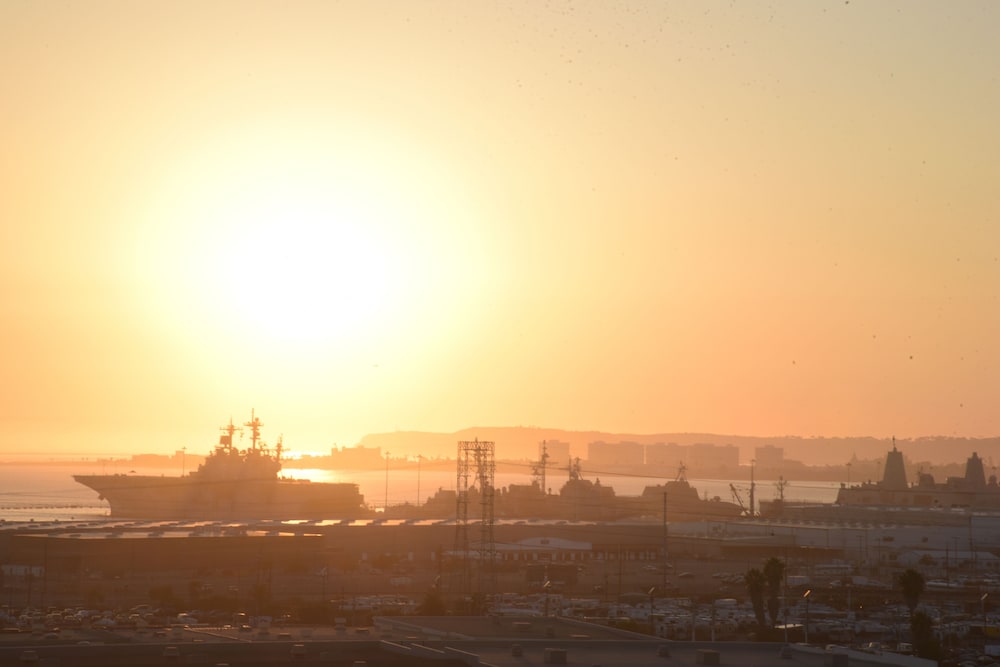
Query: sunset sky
[[729, 217]]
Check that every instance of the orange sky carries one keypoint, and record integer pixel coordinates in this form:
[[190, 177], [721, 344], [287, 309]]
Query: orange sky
[[742, 218]]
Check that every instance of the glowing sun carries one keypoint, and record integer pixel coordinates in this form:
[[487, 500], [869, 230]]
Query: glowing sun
[[302, 244]]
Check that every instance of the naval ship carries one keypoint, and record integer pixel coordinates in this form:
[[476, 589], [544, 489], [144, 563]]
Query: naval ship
[[232, 483], [894, 499], [973, 491]]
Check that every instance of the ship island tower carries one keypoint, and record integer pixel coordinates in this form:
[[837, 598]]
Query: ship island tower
[[894, 478]]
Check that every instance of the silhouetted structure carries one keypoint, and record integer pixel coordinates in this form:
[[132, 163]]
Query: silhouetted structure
[[474, 453], [232, 483], [971, 491]]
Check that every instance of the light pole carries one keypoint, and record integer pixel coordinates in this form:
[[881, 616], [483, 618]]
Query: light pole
[[385, 505], [982, 606], [419, 457], [784, 600], [784, 613], [805, 596], [663, 564]]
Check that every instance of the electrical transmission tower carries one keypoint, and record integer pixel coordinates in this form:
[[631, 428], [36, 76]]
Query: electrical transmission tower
[[477, 455]]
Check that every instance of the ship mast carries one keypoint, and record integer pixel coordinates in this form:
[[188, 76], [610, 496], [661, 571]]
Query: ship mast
[[226, 440], [780, 486], [254, 425], [538, 468]]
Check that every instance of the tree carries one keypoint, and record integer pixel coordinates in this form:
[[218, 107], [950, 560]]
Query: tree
[[756, 581], [925, 643], [163, 595], [911, 583], [94, 597], [260, 592], [194, 592], [774, 573], [433, 604]]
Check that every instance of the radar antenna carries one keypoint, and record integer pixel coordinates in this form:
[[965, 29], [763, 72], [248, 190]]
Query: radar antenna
[[538, 468], [254, 425], [226, 439], [780, 486]]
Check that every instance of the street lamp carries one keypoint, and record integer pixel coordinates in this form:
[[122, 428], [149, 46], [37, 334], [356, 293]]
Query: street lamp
[[385, 506], [419, 457], [784, 613], [982, 606], [805, 596]]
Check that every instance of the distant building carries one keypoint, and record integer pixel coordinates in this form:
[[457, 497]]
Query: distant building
[[558, 453], [359, 457], [769, 456], [602, 454], [708, 457], [665, 456]]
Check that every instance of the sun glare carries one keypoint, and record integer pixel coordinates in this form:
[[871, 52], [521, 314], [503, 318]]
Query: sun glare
[[302, 245], [305, 265]]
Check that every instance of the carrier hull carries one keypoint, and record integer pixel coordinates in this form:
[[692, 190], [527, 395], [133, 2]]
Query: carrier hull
[[152, 497]]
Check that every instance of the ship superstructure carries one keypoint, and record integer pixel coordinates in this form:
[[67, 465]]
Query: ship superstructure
[[973, 490]]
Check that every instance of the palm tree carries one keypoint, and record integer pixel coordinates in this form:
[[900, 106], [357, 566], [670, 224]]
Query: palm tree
[[912, 584], [756, 582], [925, 644], [774, 573], [433, 604]]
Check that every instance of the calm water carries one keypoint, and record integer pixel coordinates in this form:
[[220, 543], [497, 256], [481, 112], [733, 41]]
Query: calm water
[[49, 492]]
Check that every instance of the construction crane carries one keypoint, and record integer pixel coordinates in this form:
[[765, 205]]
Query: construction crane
[[738, 498]]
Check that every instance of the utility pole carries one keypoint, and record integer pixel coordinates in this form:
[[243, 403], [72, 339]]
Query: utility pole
[[621, 567], [385, 505], [419, 457], [806, 627], [663, 565]]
